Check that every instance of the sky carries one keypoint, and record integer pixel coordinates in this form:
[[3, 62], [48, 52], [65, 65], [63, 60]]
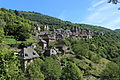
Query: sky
[[94, 12]]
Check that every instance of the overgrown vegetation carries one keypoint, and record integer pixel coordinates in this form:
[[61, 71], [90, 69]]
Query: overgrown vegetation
[[97, 58]]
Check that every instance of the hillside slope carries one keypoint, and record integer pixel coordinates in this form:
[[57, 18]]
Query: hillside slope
[[117, 30], [55, 22], [97, 58]]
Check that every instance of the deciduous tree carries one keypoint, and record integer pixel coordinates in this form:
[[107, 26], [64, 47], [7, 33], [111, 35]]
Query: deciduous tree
[[71, 72]]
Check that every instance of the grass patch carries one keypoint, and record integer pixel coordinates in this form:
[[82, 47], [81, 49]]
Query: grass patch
[[9, 41], [30, 40], [13, 41]]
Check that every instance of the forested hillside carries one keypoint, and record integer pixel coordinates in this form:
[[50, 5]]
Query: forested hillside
[[14, 31], [97, 58], [11, 23], [54, 22], [117, 30]]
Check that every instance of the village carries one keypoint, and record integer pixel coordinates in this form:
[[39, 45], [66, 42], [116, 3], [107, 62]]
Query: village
[[59, 40], [44, 38], [48, 35]]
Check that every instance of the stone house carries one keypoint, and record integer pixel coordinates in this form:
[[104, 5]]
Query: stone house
[[62, 47], [59, 36], [75, 30], [50, 51], [67, 33], [37, 27], [52, 37], [43, 43], [33, 45], [28, 55], [49, 38], [46, 27], [42, 33], [85, 36], [83, 31], [52, 29], [60, 30]]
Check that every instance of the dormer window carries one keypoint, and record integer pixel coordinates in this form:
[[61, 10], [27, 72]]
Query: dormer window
[[34, 53], [68, 48], [26, 54]]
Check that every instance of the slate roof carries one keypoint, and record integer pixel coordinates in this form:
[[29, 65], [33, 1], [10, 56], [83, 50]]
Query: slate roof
[[43, 33], [43, 41], [28, 53]]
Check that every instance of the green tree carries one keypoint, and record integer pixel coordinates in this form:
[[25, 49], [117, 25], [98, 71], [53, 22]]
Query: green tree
[[39, 50], [52, 69], [92, 47], [34, 70], [23, 32], [9, 66], [66, 42], [112, 72], [80, 49], [17, 12], [1, 34], [71, 72], [2, 23], [14, 25]]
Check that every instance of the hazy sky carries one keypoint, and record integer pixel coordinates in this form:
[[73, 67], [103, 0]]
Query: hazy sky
[[95, 12]]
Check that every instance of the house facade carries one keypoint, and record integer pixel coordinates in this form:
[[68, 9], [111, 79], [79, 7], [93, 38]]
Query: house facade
[[28, 55]]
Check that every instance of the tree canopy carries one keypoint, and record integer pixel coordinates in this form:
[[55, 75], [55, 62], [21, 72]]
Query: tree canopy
[[71, 72]]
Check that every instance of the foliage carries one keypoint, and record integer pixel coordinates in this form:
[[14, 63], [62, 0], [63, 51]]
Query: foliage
[[71, 72], [9, 66], [34, 70], [1, 34], [52, 44], [112, 72], [80, 49], [117, 30], [90, 58], [57, 23], [39, 50], [51, 69], [14, 25], [44, 19]]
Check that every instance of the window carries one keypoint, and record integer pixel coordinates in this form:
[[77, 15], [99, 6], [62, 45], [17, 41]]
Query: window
[[33, 53], [26, 54], [68, 48]]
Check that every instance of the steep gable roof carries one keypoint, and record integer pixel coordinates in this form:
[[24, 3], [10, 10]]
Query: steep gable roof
[[29, 53]]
